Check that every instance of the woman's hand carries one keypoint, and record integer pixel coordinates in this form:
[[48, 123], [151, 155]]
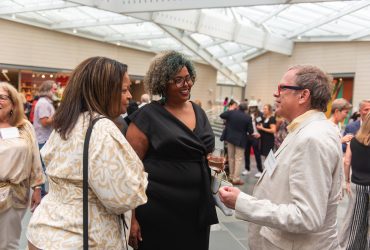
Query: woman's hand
[[135, 233], [348, 188], [35, 199], [259, 126]]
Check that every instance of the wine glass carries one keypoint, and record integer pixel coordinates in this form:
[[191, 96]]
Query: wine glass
[[216, 160]]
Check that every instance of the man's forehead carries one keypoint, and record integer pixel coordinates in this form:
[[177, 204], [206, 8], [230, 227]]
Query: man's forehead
[[289, 76], [365, 105]]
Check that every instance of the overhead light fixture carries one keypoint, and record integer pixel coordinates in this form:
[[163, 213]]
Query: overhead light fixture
[[74, 31], [14, 16], [149, 43], [299, 37], [42, 76], [51, 75], [33, 75], [118, 43]]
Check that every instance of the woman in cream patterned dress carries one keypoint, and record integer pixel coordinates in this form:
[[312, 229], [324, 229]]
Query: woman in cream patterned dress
[[98, 87]]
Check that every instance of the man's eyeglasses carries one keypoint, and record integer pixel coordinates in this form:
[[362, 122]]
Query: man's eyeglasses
[[4, 97], [282, 86], [180, 81]]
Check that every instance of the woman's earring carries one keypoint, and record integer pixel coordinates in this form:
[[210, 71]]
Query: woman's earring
[[11, 112], [163, 99]]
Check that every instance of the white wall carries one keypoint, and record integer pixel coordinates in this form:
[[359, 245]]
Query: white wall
[[264, 72], [233, 92]]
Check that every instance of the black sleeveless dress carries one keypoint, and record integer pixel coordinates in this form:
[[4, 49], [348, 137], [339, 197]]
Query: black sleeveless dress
[[180, 207]]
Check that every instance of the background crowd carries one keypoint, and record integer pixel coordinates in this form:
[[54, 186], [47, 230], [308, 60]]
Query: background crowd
[[148, 170]]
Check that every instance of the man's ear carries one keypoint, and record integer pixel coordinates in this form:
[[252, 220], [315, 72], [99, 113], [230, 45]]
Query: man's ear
[[304, 96]]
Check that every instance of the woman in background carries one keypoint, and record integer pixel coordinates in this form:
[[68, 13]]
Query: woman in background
[[355, 231], [225, 103], [20, 167], [173, 138], [254, 140], [267, 129], [98, 87]]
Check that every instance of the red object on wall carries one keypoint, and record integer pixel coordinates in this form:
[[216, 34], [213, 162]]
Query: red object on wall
[[62, 80]]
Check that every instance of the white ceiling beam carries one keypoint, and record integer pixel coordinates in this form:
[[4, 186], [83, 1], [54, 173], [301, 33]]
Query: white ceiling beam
[[360, 34], [345, 11], [84, 35], [218, 42], [232, 53], [134, 37], [126, 7], [276, 12], [254, 54], [215, 26], [193, 46], [92, 23], [36, 7]]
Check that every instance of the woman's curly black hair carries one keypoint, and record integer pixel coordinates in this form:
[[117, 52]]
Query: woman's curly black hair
[[163, 68]]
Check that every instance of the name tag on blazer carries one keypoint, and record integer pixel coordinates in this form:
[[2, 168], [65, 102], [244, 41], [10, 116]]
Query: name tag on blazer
[[9, 133], [270, 163]]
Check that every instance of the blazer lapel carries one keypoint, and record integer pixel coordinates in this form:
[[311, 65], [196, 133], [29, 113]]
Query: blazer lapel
[[292, 135]]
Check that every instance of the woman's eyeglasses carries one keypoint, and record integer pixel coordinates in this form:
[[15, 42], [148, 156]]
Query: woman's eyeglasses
[[4, 97], [180, 81]]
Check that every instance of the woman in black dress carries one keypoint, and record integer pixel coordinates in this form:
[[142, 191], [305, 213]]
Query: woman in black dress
[[267, 129], [173, 137]]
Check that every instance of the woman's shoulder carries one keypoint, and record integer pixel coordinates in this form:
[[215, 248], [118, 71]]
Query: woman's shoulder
[[26, 126], [149, 110]]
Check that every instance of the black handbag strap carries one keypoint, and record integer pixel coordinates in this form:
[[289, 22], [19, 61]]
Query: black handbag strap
[[85, 177]]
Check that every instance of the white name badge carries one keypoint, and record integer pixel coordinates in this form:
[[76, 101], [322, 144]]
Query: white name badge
[[9, 133], [258, 119], [270, 163]]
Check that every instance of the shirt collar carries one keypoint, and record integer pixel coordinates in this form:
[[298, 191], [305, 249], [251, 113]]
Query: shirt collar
[[299, 119], [47, 99]]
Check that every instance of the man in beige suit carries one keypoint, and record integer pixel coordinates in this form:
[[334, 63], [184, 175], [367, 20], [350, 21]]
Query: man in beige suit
[[294, 204]]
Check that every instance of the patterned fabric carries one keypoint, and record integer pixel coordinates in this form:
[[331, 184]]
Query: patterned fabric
[[20, 168], [355, 232], [117, 184], [281, 134]]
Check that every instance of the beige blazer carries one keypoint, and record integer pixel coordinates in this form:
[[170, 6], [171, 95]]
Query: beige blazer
[[296, 207]]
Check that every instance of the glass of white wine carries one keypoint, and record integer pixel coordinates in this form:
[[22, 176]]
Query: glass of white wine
[[216, 160]]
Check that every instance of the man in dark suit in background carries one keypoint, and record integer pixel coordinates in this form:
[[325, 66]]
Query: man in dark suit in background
[[352, 128], [238, 126]]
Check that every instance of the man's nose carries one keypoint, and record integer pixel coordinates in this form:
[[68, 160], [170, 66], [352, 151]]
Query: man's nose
[[276, 94]]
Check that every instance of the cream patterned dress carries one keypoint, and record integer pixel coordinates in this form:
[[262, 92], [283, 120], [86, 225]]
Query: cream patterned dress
[[117, 184]]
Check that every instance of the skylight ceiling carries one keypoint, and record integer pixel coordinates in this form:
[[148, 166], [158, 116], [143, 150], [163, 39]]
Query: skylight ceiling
[[226, 35]]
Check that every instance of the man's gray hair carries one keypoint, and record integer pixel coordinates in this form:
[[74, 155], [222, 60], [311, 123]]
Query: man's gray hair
[[145, 98], [340, 104], [363, 103], [45, 87], [317, 82]]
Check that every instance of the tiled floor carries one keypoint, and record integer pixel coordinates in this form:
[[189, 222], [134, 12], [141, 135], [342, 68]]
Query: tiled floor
[[230, 233]]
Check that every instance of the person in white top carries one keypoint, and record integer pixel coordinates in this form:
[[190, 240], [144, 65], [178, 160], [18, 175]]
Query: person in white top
[[20, 167], [44, 111]]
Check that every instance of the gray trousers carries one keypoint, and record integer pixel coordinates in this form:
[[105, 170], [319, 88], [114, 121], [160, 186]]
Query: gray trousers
[[11, 228]]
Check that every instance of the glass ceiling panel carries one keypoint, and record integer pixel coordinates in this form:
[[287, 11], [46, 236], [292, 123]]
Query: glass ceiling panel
[[115, 28]]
